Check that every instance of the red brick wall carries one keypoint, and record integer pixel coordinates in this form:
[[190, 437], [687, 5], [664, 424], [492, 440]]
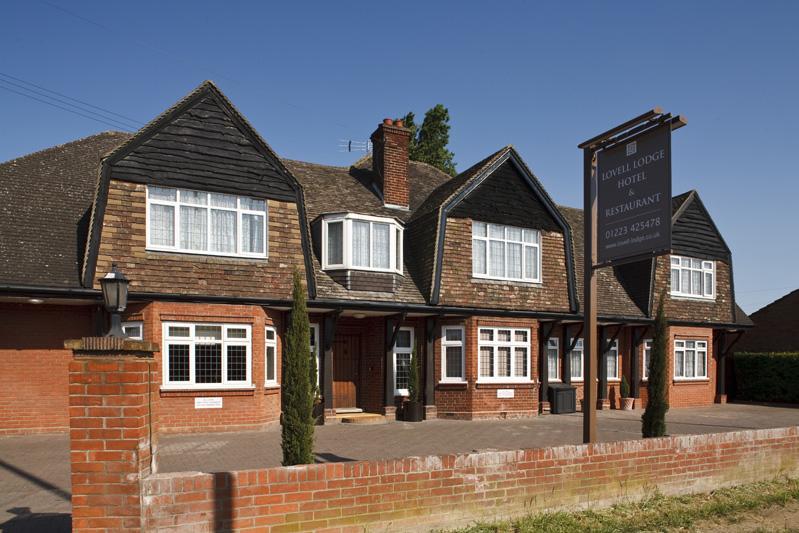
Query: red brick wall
[[479, 400], [123, 240], [33, 365], [451, 490], [242, 409]]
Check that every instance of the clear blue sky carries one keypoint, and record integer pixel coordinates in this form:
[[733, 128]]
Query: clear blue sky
[[540, 76]]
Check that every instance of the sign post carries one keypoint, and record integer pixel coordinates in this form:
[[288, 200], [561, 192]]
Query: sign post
[[626, 217]]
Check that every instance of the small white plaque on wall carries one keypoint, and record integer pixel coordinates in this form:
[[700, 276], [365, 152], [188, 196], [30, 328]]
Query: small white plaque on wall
[[208, 403], [505, 393]]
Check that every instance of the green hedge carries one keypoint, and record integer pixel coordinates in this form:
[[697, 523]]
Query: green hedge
[[767, 377]]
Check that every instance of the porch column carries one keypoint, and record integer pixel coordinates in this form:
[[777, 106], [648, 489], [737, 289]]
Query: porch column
[[566, 371], [635, 363], [389, 407], [329, 334], [544, 368], [721, 374], [430, 369], [602, 401]]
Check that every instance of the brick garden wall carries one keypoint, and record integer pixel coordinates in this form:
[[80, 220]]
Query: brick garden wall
[[450, 490]]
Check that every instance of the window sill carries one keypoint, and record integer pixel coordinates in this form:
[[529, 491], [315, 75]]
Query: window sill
[[503, 384], [520, 282], [167, 392], [688, 381], [159, 251], [685, 297], [453, 384], [272, 388]]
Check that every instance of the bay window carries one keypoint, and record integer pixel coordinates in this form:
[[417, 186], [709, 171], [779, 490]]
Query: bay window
[[506, 252], [693, 278], [612, 360], [270, 356], [647, 358], [187, 221], [553, 359], [402, 361], [452, 354], [207, 356], [503, 355], [690, 359], [361, 242], [576, 360]]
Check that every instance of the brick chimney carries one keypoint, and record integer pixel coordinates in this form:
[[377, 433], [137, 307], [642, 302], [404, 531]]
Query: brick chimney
[[390, 161]]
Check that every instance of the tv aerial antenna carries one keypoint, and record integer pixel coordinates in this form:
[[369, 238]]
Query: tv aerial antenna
[[350, 145]]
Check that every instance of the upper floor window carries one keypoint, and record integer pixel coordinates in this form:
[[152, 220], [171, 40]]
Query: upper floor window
[[506, 252], [181, 220], [693, 278], [362, 242], [207, 355]]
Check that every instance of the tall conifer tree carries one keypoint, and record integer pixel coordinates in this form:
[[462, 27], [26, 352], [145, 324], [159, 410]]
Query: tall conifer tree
[[429, 141], [653, 421], [297, 391]]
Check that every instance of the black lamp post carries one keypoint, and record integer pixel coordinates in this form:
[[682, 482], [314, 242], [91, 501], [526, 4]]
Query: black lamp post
[[115, 298]]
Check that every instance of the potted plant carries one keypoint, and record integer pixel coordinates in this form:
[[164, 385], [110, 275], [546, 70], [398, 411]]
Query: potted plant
[[413, 408], [627, 402]]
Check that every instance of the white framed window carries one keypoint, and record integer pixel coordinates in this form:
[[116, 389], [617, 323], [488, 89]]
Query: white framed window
[[207, 223], [503, 355], [362, 242], [553, 359], [402, 361], [270, 356], [207, 356], [315, 350], [452, 354], [133, 330], [647, 344], [612, 360], [690, 359], [576, 360], [506, 252], [693, 278]]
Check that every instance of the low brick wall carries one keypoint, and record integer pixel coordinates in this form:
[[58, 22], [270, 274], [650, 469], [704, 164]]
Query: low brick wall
[[451, 490]]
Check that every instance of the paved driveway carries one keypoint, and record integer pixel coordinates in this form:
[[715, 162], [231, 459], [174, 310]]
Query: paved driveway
[[34, 471]]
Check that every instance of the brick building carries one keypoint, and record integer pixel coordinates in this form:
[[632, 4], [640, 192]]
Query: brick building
[[477, 271]]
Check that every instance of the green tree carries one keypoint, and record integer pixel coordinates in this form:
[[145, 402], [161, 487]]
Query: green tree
[[297, 391], [429, 141], [653, 421]]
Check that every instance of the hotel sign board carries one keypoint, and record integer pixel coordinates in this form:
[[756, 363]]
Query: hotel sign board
[[634, 198]]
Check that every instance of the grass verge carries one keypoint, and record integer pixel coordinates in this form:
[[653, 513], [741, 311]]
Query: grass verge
[[657, 513]]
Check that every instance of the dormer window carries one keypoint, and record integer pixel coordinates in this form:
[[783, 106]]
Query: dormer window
[[361, 242], [207, 223], [693, 278]]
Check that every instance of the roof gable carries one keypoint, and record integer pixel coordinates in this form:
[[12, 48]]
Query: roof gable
[[693, 231], [459, 189]]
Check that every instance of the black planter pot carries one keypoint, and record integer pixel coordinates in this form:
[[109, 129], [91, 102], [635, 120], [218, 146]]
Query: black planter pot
[[413, 412]]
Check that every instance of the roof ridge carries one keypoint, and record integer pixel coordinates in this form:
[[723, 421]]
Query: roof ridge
[[62, 145]]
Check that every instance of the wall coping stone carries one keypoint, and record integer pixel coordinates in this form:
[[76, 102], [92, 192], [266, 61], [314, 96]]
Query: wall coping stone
[[111, 347]]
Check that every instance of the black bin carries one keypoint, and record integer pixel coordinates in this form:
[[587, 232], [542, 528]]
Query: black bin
[[562, 399]]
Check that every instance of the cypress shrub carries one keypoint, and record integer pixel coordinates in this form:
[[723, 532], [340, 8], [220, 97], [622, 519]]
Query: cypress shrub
[[653, 421], [767, 377], [297, 393]]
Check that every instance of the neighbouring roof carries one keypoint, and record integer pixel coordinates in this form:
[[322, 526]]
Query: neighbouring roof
[[46, 200]]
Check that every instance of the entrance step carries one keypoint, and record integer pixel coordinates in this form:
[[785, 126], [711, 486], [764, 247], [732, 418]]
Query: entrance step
[[360, 418]]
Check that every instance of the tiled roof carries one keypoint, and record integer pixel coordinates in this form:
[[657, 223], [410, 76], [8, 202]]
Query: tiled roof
[[46, 200], [329, 189]]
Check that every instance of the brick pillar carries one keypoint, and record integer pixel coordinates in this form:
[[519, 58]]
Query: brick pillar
[[112, 419]]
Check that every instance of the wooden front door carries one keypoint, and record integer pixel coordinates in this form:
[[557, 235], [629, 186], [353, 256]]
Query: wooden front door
[[346, 358]]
